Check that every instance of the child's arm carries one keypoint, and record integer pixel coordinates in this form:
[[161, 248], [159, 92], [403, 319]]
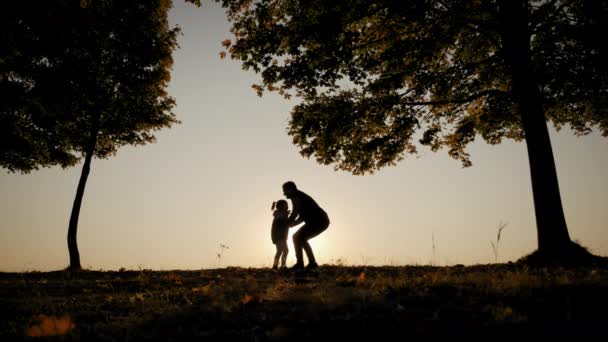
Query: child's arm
[[283, 220]]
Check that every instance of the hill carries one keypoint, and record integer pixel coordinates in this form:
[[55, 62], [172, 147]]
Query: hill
[[332, 302]]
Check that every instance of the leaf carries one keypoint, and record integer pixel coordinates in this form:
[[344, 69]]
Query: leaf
[[50, 326], [136, 297], [361, 277], [247, 299], [280, 332], [202, 289], [173, 277]]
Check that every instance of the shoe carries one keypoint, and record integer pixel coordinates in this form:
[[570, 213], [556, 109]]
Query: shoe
[[312, 265], [274, 267], [297, 266]]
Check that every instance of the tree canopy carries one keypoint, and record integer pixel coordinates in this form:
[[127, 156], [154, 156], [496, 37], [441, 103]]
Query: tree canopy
[[375, 77], [73, 69]]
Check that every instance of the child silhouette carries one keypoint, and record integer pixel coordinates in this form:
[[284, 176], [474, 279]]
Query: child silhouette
[[279, 232]]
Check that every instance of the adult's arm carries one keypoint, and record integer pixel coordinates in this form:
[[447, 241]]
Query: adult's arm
[[295, 218]]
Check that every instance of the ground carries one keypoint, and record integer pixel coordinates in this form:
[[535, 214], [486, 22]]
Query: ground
[[260, 304]]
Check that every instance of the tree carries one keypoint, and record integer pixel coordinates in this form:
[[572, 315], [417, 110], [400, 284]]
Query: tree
[[81, 79], [374, 77]]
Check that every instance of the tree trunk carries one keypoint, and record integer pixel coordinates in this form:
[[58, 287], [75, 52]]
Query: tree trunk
[[552, 230], [73, 226]]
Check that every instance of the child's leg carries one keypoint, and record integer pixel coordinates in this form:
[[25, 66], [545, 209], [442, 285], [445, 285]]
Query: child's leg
[[285, 251], [277, 255]]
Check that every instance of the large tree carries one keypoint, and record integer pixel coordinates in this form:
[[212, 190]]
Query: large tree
[[375, 77], [81, 79]]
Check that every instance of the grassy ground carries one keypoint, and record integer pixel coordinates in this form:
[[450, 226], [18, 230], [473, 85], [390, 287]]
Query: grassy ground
[[334, 302]]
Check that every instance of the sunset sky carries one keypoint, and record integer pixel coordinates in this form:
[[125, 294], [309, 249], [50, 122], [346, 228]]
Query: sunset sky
[[212, 179]]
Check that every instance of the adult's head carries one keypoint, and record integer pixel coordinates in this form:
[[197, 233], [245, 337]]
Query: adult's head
[[289, 189]]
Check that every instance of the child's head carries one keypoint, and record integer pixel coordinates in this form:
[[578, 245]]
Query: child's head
[[281, 205]]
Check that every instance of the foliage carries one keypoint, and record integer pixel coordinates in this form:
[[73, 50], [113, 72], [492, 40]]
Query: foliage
[[75, 72], [376, 76]]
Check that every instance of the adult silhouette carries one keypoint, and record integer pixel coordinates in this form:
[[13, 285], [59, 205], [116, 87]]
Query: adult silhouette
[[316, 221]]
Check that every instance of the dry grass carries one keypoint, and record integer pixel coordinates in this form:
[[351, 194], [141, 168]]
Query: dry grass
[[263, 304]]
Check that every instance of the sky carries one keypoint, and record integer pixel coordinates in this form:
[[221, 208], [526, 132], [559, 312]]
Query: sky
[[211, 180]]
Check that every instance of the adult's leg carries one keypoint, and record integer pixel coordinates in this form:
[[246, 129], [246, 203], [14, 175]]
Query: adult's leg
[[297, 245], [301, 237], [309, 254]]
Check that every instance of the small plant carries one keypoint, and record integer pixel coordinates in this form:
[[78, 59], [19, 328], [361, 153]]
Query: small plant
[[434, 260], [219, 254], [365, 260], [339, 262], [501, 226]]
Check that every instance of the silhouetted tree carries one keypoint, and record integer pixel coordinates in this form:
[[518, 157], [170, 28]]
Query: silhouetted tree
[[79, 80], [375, 76]]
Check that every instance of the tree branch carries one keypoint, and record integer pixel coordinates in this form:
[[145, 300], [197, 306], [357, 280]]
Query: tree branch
[[535, 22], [456, 101]]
